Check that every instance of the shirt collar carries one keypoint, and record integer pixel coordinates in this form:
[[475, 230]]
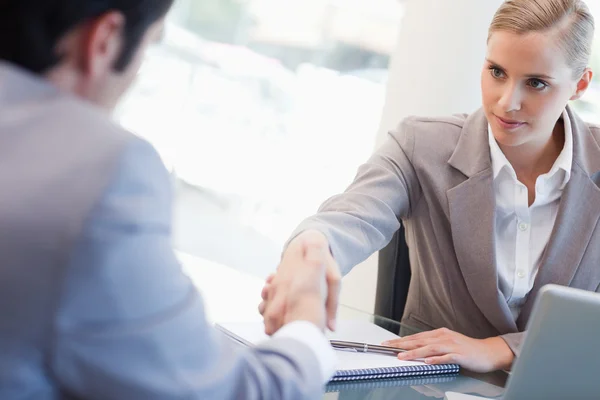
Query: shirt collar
[[564, 161]]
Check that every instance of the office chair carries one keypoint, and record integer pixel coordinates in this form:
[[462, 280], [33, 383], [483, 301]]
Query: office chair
[[393, 279]]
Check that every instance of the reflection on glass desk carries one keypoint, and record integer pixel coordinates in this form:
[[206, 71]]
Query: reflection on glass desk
[[486, 385]]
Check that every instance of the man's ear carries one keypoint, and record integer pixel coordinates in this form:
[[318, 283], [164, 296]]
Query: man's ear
[[583, 84], [102, 42]]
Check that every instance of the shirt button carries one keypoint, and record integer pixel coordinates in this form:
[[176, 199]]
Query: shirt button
[[521, 274], [523, 226]]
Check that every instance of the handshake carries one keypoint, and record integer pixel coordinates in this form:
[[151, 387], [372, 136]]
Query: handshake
[[306, 286]]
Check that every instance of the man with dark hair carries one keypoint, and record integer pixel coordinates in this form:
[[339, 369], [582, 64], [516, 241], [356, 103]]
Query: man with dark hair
[[93, 303]]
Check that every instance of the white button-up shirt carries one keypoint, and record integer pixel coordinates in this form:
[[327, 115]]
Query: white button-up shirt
[[522, 232]]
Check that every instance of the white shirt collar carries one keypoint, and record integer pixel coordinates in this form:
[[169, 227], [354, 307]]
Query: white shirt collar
[[564, 161]]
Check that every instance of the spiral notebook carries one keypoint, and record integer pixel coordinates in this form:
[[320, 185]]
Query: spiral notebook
[[372, 384], [351, 366]]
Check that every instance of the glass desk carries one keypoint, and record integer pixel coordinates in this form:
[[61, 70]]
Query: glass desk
[[485, 385]]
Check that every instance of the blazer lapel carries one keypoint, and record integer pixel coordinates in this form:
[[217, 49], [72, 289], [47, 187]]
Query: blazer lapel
[[577, 218], [472, 210]]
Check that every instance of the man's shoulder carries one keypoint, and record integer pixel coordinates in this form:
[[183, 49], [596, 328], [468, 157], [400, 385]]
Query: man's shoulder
[[83, 154], [98, 132], [33, 106], [85, 121]]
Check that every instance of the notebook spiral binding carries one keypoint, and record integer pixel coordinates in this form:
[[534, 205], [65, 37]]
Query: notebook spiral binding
[[387, 383], [395, 372]]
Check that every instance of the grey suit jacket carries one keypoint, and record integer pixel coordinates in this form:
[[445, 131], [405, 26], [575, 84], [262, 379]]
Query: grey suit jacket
[[93, 303], [435, 174]]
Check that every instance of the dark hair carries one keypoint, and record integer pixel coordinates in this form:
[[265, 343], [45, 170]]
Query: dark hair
[[31, 29]]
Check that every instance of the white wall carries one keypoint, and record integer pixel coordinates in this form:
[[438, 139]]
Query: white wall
[[435, 71]]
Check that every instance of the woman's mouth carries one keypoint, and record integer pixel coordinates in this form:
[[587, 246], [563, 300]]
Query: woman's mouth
[[509, 124]]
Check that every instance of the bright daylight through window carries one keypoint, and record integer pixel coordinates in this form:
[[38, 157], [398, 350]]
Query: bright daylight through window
[[261, 109]]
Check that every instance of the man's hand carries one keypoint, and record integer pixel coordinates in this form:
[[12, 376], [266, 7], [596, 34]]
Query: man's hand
[[308, 252], [444, 346]]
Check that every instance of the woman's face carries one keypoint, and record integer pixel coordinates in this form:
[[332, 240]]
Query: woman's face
[[526, 84]]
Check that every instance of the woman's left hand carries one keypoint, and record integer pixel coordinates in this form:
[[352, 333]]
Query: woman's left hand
[[444, 346]]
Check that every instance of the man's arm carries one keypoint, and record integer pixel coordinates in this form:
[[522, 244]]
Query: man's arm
[[131, 325]]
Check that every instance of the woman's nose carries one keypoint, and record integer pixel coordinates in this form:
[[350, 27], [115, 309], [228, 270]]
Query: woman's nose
[[511, 99]]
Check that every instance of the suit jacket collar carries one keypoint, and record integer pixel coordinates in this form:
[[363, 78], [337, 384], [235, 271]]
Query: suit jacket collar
[[471, 206], [472, 155], [586, 150]]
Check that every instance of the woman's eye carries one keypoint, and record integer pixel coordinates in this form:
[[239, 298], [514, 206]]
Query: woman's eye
[[537, 84], [496, 72]]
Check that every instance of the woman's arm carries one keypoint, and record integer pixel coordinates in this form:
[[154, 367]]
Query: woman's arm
[[363, 219]]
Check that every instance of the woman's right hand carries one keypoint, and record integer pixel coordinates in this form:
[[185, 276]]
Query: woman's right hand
[[285, 277]]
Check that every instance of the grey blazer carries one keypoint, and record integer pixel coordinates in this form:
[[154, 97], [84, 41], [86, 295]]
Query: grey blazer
[[93, 302], [435, 175]]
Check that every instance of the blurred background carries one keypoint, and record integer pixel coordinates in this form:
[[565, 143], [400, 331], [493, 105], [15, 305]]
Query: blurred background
[[262, 109]]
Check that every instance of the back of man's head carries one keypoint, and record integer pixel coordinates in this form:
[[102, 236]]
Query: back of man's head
[[31, 29]]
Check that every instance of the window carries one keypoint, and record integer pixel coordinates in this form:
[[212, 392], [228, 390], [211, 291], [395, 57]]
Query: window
[[261, 109]]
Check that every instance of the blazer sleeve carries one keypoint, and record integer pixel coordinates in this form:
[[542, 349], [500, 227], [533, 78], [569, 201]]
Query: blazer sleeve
[[515, 341], [131, 325], [363, 219]]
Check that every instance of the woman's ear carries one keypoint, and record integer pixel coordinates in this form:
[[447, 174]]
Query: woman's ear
[[583, 84]]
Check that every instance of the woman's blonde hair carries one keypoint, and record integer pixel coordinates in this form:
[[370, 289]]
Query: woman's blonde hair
[[571, 20]]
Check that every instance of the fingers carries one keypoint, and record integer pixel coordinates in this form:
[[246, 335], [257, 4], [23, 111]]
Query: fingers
[[415, 344], [428, 351], [450, 358], [274, 313], [419, 336], [334, 284], [317, 254], [264, 294], [427, 345], [300, 280]]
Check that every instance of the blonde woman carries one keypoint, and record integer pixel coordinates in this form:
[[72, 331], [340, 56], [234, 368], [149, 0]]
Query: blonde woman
[[495, 204]]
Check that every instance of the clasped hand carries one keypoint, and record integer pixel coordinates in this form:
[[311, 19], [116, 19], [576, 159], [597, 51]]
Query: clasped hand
[[306, 285]]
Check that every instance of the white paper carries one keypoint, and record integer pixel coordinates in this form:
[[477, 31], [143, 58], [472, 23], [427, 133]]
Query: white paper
[[252, 333]]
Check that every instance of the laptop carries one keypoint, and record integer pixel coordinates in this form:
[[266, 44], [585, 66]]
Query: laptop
[[560, 358]]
